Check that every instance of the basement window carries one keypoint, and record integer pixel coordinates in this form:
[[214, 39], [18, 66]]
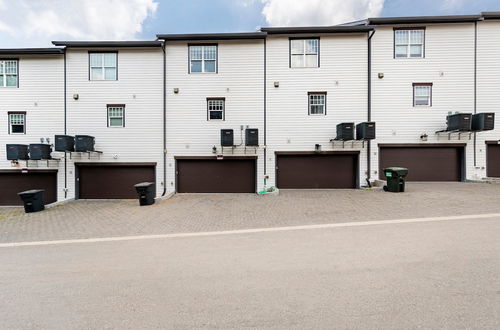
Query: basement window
[[216, 108], [422, 94], [8, 73], [116, 116], [17, 122], [409, 43], [317, 103], [103, 66], [304, 53]]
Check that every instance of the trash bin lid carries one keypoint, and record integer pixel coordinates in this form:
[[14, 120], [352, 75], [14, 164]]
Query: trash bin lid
[[33, 191], [144, 184], [397, 170]]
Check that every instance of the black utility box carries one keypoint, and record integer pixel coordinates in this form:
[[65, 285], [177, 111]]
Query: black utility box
[[17, 152], [40, 151], [146, 192], [459, 122], [483, 121], [226, 137], [365, 131], [33, 200], [345, 131], [252, 137], [64, 143], [84, 143]]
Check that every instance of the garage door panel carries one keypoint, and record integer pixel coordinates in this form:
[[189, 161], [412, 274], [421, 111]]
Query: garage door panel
[[112, 182], [216, 176], [424, 163], [316, 171], [13, 183], [493, 163]]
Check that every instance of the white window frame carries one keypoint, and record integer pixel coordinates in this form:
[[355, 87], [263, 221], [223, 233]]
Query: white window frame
[[103, 66], [203, 59], [304, 53], [21, 121], [122, 116], [4, 74], [408, 42], [428, 97], [212, 104], [310, 100]]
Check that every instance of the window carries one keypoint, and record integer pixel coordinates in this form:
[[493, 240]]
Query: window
[[422, 94], [103, 66], [116, 116], [17, 122], [304, 53], [317, 103], [8, 73], [203, 58], [215, 109], [409, 43]]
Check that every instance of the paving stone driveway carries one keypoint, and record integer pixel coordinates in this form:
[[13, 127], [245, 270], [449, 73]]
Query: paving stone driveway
[[213, 212]]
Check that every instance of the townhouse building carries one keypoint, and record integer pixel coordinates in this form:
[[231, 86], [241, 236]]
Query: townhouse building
[[238, 112]]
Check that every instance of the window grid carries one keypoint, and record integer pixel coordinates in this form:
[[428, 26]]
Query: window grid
[[103, 66], [317, 103], [304, 53], [216, 109], [116, 117], [8, 73], [17, 123], [409, 43], [203, 59], [422, 95]]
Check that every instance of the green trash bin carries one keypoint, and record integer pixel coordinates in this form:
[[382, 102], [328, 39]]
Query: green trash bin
[[395, 178]]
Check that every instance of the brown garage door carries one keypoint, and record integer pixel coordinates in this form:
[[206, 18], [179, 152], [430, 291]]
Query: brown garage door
[[112, 181], [216, 176], [323, 171], [493, 161], [432, 163], [15, 181]]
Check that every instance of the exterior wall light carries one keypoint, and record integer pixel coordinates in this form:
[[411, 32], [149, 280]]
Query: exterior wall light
[[276, 84], [317, 148], [76, 96], [380, 75], [176, 90]]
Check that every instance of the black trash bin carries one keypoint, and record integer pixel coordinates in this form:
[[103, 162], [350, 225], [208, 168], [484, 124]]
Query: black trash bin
[[33, 200], [146, 192], [395, 179]]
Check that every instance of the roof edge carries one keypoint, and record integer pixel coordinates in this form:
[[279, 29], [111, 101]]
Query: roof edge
[[318, 29], [108, 44], [424, 19], [31, 51], [212, 36]]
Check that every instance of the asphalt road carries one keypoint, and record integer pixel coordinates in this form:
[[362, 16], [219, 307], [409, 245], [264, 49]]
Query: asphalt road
[[423, 275]]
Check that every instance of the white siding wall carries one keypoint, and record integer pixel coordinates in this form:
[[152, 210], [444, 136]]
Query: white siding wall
[[240, 80], [139, 87], [41, 95], [342, 74], [488, 85], [448, 64]]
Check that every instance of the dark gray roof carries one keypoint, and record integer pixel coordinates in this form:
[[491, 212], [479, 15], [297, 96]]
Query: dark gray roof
[[212, 36], [31, 51], [490, 15], [424, 19], [108, 44], [318, 29]]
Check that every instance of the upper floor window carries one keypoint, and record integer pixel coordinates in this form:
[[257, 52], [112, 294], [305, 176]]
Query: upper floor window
[[116, 116], [215, 108], [304, 53], [8, 73], [409, 43], [103, 66], [317, 103], [17, 122], [203, 58], [422, 94]]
